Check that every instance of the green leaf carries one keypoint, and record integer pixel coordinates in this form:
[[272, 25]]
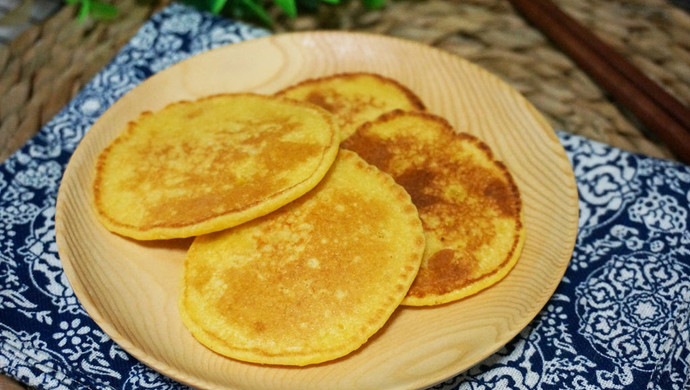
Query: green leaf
[[217, 6], [374, 4], [331, 1], [103, 11], [258, 11], [84, 10], [289, 6]]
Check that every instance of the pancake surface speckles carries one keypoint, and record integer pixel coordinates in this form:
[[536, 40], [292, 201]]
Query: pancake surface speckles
[[312, 281], [355, 98], [200, 166], [468, 202]]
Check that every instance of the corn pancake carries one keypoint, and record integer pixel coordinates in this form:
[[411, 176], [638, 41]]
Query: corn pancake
[[468, 202], [355, 98], [312, 281], [196, 167]]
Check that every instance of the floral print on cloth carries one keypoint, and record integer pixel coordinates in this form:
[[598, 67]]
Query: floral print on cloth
[[620, 319]]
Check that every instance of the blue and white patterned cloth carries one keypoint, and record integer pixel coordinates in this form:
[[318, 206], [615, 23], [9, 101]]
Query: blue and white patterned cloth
[[620, 319]]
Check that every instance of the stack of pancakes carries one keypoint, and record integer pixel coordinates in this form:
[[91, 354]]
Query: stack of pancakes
[[316, 212]]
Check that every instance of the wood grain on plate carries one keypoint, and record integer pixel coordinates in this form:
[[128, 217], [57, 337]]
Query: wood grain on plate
[[130, 288]]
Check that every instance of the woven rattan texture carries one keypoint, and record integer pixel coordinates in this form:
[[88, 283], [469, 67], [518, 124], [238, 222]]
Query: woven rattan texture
[[44, 67]]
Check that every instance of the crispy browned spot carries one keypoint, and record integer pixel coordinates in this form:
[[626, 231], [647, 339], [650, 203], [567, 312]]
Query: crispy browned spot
[[442, 271], [348, 109], [372, 149], [465, 198], [355, 98], [418, 183]]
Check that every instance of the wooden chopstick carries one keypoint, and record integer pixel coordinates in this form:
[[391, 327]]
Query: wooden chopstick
[[660, 112]]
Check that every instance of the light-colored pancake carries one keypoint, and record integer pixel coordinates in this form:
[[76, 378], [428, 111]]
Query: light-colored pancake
[[200, 166], [355, 98], [312, 281], [468, 202]]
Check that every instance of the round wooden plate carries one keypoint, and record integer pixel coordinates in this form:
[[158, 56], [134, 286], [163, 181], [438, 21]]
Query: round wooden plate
[[130, 288]]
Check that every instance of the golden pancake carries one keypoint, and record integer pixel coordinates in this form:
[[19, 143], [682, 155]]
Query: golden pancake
[[200, 166], [468, 202], [355, 98], [312, 281]]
